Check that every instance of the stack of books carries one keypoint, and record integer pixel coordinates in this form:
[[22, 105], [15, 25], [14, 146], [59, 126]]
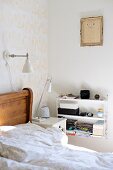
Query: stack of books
[[84, 127]]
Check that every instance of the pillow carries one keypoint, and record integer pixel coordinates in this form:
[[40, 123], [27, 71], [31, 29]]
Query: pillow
[[6, 128], [29, 125], [12, 152]]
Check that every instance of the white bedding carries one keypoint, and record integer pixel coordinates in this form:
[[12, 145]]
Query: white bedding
[[31, 147]]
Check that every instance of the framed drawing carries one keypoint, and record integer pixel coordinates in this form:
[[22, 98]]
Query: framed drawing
[[91, 32]]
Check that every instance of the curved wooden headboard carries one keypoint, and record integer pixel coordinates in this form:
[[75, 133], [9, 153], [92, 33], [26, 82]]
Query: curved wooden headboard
[[16, 107]]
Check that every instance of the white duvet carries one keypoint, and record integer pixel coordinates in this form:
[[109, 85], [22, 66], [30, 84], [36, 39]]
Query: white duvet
[[30, 147]]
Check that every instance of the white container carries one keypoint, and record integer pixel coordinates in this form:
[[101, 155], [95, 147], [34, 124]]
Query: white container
[[98, 128], [100, 112], [44, 112]]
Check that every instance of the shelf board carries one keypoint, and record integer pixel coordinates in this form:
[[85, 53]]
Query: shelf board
[[80, 117], [83, 135], [81, 100], [86, 136]]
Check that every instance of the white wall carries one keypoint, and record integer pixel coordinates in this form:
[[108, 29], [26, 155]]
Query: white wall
[[73, 67], [24, 28]]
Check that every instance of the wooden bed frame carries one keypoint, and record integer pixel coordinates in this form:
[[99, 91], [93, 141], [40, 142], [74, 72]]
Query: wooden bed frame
[[16, 107]]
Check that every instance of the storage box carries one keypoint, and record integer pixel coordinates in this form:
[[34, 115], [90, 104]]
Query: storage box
[[98, 128], [68, 105], [68, 111]]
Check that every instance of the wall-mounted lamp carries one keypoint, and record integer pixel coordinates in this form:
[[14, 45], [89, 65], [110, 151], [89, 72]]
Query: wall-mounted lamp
[[27, 68]]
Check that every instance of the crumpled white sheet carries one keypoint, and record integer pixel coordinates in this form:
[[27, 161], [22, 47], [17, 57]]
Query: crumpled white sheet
[[44, 148], [12, 152], [8, 164]]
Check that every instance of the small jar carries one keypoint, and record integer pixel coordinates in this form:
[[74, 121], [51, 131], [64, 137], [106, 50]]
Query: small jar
[[100, 112], [97, 96]]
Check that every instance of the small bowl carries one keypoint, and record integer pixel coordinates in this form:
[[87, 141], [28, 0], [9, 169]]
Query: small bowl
[[100, 114]]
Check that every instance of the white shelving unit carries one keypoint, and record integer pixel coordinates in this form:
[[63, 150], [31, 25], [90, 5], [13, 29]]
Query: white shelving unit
[[85, 105]]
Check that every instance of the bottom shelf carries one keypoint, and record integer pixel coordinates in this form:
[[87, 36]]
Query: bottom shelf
[[77, 128]]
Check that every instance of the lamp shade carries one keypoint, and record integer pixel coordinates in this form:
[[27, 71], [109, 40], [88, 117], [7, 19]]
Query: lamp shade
[[27, 68]]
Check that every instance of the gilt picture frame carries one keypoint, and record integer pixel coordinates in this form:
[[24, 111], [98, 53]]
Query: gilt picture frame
[[91, 31]]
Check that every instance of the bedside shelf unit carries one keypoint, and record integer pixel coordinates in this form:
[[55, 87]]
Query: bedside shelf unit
[[84, 105]]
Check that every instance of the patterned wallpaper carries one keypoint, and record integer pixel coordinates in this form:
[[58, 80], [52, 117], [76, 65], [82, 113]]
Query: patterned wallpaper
[[24, 28]]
